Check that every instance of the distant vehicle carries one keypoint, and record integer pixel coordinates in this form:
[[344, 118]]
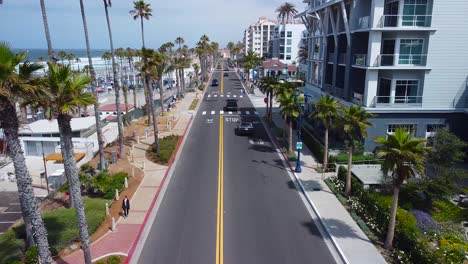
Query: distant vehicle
[[99, 90], [231, 105], [226, 74], [108, 88], [214, 82], [245, 128]]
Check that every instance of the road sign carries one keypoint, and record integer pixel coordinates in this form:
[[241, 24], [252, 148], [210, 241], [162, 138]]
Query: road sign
[[299, 145], [265, 100]]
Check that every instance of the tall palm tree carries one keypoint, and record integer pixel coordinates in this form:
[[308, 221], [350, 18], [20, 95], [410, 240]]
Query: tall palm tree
[[71, 58], [106, 56], [121, 54], [179, 41], [289, 111], [62, 54], [354, 121], [141, 10], [78, 60], [403, 157], [107, 4], [64, 96], [50, 51], [251, 60], [13, 87], [230, 46], [93, 89], [326, 111], [130, 53], [286, 12], [302, 54], [196, 69], [268, 85]]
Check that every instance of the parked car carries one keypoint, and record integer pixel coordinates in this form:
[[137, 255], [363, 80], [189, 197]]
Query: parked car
[[214, 82], [108, 88], [231, 105], [245, 128], [226, 74]]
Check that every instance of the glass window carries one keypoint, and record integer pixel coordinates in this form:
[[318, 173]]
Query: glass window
[[434, 127], [411, 128], [406, 92], [288, 57], [415, 13], [282, 34], [289, 34], [411, 51], [288, 49], [288, 41]]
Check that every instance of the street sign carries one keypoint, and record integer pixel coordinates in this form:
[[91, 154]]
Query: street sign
[[299, 145], [265, 100]]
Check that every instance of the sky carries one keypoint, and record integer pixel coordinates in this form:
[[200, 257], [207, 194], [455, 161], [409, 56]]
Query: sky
[[22, 27]]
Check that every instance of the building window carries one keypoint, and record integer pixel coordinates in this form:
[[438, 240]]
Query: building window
[[265, 27], [288, 41], [414, 13], [289, 34], [411, 51], [288, 49], [434, 127], [288, 57], [406, 92], [411, 128]]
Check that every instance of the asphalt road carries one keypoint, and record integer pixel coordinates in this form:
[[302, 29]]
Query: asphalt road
[[263, 219]]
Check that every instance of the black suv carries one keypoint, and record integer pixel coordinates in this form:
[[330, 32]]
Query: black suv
[[214, 82], [245, 128], [231, 105]]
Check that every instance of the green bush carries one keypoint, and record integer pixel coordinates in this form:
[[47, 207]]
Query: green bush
[[32, 255], [117, 182], [167, 146], [446, 211], [88, 169], [113, 260], [11, 247], [100, 262], [313, 144], [201, 87], [342, 157]]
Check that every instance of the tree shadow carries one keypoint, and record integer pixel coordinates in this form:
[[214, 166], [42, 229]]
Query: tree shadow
[[337, 228], [263, 162], [262, 148]]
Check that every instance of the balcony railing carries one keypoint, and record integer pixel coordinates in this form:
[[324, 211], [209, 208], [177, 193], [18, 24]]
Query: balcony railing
[[360, 59], [405, 21], [398, 101], [331, 57], [316, 3], [401, 60], [363, 22]]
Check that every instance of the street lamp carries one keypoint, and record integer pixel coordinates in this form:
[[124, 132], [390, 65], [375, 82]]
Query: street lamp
[[299, 127]]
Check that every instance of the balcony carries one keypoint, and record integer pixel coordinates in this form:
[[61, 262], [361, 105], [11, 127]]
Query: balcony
[[363, 23], [357, 98], [317, 3], [397, 101], [391, 21], [401, 60], [360, 60]]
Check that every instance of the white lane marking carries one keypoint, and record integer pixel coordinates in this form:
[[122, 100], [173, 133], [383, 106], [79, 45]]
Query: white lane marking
[[209, 95], [228, 95], [256, 112], [239, 112], [222, 95], [251, 142], [11, 212], [7, 222], [204, 113], [14, 203], [215, 95], [247, 112], [212, 112], [234, 95], [241, 96], [230, 112], [221, 112]]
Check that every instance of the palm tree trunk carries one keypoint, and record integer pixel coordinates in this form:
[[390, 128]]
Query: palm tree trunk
[[270, 111], [178, 81], [125, 94], [74, 182], [290, 136], [147, 96], [392, 220], [325, 151], [50, 51], [93, 88], [116, 87], [182, 73], [134, 96], [161, 94], [348, 176], [154, 115], [35, 229], [142, 32]]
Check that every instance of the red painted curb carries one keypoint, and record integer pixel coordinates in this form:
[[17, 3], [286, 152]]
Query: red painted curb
[[171, 161]]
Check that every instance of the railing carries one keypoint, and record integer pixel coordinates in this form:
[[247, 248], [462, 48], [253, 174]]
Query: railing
[[331, 57], [401, 60], [357, 98], [405, 21], [316, 3], [393, 101], [363, 22], [360, 59]]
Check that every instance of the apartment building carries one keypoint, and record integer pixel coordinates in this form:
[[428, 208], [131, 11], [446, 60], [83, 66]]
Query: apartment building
[[286, 41], [257, 37], [404, 60]]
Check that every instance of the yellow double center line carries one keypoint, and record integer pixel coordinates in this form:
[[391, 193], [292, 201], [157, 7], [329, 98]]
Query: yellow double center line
[[220, 209]]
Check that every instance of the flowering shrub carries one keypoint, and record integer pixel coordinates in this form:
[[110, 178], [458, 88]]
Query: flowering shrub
[[426, 224]]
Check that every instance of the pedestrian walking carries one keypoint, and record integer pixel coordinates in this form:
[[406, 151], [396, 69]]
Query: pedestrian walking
[[125, 206]]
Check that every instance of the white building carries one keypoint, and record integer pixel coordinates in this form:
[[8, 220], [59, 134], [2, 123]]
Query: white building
[[403, 60], [257, 37], [287, 40]]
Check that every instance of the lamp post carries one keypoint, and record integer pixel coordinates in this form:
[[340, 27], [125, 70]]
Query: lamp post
[[299, 141]]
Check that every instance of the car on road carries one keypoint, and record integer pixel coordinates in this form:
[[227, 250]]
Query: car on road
[[231, 105], [226, 74], [214, 82], [245, 128]]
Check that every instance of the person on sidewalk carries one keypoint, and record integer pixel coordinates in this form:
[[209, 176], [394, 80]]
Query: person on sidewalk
[[125, 206]]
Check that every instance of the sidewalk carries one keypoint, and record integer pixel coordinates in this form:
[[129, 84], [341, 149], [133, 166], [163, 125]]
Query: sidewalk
[[120, 241], [351, 242]]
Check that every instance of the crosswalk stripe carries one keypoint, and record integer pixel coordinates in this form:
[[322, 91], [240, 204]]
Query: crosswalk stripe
[[238, 112], [230, 112], [209, 95], [212, 112], [215, 95], [222, 95], [247, 112], [228, 95], [204, 113], [221, 112], [235, 95], [241, 96]]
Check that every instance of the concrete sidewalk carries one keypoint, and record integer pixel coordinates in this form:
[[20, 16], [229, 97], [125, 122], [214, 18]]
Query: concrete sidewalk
[[120, 241], [351, 242]]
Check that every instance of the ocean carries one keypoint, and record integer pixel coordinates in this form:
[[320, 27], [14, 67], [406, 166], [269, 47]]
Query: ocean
[[35, 54]]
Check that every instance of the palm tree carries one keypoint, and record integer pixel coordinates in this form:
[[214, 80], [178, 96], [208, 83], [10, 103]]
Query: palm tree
[[286, 12], [121, 54], [289, 111], [42, 60], [64, 96], [354, 121], [403, 157], [106, 56], [62, 54], [141, 10], [70, 57], [179, 41], [13, 87], [107, 4], [130, 53], [78, 60], [50, 51], [268, 85], [230, 46], [303, 54], [326, 111], [93, 88], [251, 60]]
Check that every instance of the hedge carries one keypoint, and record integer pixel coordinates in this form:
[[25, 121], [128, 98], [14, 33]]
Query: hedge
[[313, 144], [167, 145]]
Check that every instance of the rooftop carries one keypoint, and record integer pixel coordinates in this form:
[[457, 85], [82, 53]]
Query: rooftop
[[45, 126], [368, 174], [277, 65], [112, 108]]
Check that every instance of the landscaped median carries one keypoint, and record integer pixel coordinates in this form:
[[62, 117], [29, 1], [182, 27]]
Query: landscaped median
[[167, 145]]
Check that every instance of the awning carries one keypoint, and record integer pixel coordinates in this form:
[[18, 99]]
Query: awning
[[58, 157]]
